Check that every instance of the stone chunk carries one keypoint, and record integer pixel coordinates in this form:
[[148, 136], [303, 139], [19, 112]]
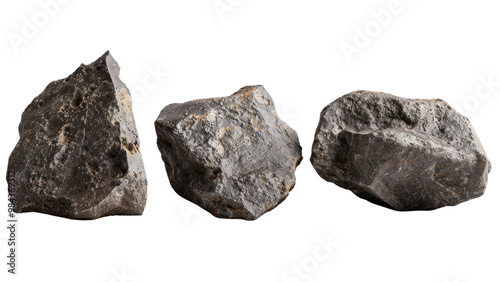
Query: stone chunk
[[400, 153], [233, 156], [78, 153]]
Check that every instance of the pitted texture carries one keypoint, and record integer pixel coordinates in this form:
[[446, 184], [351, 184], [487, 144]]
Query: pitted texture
[[78, 154], [400, 153], [232, 156]]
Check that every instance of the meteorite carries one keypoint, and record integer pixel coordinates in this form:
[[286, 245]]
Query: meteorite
[[233, 156], [78, 154], [403, 154]]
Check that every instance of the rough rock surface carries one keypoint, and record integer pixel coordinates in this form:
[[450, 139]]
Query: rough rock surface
[[78, 154], [400, 153], [232, 156]]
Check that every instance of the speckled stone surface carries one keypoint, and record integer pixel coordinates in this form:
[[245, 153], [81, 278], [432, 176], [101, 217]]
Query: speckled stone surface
[[399, 153], [78, 153], [233, 156]]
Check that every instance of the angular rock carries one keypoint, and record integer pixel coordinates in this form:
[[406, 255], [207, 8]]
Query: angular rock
[[233, 156], [78, 153], [399, 153]]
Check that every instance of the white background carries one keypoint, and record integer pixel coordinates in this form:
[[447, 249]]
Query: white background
[[427, 49]]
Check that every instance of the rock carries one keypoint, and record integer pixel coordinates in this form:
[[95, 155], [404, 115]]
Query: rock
[[232, 156], [78, 153], [399, 153]]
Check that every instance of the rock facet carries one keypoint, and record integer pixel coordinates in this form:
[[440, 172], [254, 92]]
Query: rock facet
[[78, 153], [399, 153], [232, 156]]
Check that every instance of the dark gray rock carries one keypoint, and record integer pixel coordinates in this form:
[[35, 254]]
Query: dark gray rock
[[400, 153], [78, 153], [232, 156]]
